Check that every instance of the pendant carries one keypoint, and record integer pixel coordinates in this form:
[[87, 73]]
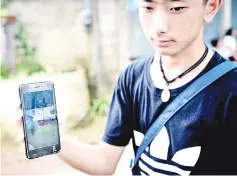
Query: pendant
[[165, 95]]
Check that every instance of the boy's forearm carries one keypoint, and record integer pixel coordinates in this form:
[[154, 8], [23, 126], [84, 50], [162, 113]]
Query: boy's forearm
[[90, 159]]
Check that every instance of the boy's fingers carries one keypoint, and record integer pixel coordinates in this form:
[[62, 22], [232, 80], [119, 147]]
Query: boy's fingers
[[18, 116]]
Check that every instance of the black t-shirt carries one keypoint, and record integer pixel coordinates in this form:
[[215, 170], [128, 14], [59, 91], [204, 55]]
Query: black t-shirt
[[200, 139]]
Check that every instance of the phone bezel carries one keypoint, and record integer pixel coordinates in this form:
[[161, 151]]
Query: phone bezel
[[37, 86]]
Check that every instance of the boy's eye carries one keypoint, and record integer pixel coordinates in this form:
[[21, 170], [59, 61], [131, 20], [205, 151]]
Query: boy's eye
[[177, 9], [148, 9]]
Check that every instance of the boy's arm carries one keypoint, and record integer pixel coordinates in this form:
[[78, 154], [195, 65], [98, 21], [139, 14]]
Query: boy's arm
[[101, 159]]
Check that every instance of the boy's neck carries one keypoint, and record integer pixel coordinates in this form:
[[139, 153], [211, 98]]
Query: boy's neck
[[182, 60], [175, 65]]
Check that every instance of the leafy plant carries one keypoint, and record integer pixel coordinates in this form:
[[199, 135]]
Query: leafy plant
[[23, 47], [26, 55], [4, 70], [100, 107], [30, 67], [27, 66]]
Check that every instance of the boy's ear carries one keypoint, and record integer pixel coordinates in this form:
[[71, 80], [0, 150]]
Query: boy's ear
[[212, 7]]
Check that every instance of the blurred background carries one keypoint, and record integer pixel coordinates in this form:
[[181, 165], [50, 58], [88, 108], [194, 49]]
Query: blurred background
[[80, 45]]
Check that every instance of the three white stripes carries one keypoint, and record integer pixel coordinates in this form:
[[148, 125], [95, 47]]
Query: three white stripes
[[159, 149], [161, 166]]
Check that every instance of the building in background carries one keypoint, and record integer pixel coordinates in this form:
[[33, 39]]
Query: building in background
[[55, 28]]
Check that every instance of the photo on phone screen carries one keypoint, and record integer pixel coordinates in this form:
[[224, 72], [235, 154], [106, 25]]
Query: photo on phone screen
[[40, 119]]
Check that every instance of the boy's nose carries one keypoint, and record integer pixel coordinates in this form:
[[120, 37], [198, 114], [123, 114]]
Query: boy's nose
[[160, 23]]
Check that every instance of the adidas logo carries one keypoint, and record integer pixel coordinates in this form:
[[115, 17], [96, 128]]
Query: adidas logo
[[159, 149]]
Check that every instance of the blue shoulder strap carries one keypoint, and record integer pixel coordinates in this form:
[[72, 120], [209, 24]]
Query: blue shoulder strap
[[195, 88]]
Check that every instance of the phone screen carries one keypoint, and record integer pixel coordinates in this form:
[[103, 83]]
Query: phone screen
[[40, 117]]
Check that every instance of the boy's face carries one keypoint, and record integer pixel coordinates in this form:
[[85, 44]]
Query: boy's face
[[172, 25]]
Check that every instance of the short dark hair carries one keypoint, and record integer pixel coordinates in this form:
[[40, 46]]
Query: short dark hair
[[229, 31], [214, 42]]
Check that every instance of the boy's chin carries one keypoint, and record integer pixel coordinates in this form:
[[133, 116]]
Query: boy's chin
[[166, 51]]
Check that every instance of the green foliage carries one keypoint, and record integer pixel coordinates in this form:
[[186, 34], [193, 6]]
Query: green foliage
[[27, 66], [3, 9], [23, 47], [100, 107], [26, 56], [4, 70], [30, 67]]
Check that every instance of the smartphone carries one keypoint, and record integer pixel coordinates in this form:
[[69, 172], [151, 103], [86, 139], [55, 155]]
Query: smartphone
[[40, 123]]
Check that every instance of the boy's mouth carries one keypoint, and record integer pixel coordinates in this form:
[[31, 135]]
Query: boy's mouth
[[163, 43]]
